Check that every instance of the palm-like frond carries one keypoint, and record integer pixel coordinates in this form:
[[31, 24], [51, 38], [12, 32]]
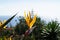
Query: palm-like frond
[[51, 30]]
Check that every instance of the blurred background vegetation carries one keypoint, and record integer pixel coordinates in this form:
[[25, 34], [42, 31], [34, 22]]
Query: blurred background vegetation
[[43, 30]]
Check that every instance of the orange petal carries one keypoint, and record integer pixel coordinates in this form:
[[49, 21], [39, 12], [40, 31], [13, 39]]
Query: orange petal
[[33, 21]]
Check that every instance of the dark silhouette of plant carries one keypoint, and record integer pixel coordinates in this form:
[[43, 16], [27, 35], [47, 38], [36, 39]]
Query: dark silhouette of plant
[[51, 30], [5, 32], [8, 21], [38, 30], [21, 27]]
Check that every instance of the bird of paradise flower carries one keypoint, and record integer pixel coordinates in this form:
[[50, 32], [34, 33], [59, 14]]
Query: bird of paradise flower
[[29, 22]]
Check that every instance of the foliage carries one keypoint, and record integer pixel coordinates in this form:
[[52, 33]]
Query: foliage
[[5, 32], [42, 31], [51, 31], [21, 27]]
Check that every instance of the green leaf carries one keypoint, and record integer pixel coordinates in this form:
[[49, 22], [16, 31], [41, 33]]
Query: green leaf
[[8, 21]]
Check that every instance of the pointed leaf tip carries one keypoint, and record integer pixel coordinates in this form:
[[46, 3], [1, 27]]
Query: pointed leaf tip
[[8, 21]]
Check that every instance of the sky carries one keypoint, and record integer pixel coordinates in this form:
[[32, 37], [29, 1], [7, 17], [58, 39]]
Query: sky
[[43, 8]]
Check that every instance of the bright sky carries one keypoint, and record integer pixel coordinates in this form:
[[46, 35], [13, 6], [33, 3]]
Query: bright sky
[[43, 8]]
